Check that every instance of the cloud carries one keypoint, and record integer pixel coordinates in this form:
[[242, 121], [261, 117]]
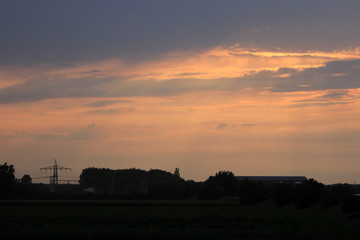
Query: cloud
[[142, 29], [112, 111], [334, 95], [128, 134], [317, 104], [320, 78], [248, 125], [185, 74], [33, 90], [222, 125], [331, 97], [89, 132], [334, 75], [105, 103]]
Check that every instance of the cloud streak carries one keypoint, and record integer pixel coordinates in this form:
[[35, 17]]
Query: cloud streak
[[105, 103], [334, 75], [87, 133]]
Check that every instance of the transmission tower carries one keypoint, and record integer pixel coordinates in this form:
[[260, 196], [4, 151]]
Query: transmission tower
[[54, 178]]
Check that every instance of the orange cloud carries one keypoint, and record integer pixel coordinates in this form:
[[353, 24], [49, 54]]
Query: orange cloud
[[220, 62]]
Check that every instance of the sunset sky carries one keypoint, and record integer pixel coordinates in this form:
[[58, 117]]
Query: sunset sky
[[255, 87]]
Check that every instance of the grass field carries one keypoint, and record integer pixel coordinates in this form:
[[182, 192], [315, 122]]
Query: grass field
[[169, 220]]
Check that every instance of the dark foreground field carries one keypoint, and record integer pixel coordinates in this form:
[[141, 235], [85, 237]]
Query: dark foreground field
[[169, 220]]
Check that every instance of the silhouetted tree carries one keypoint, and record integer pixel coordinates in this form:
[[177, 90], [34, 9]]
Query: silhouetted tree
[[7, 177], [26, 179], [123, 181], [158, 183], [308, 193], [222, 184], [177, 172], [164, 185], [226, 180]]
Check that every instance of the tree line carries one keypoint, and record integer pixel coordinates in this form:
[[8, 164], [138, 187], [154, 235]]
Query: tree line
[[103, 183], [154, 184], [10, 187], [306, 194]]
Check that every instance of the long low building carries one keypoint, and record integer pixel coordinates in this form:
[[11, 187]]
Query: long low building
[[274, 179]]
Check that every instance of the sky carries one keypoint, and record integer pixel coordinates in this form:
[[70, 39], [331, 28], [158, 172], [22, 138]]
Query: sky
[[258, 87]]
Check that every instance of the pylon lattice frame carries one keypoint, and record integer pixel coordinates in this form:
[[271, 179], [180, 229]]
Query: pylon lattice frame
[[54, 178]]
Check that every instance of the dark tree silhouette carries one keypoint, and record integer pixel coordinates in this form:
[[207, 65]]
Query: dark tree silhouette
[[26, 179], [224, 179], [7, 177], [157, 184], [164, 185], [124, 181], [177, 172], [308, 193], [222, 184]]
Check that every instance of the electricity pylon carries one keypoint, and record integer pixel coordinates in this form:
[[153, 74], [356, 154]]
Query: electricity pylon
[[54, 178]]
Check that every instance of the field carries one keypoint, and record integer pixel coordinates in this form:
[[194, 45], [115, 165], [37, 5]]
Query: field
[[169, 220]]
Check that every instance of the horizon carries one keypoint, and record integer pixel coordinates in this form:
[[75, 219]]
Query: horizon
[[69, 177], [258, 88]]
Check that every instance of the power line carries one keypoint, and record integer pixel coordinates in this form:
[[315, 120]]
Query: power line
[[54, 177]]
